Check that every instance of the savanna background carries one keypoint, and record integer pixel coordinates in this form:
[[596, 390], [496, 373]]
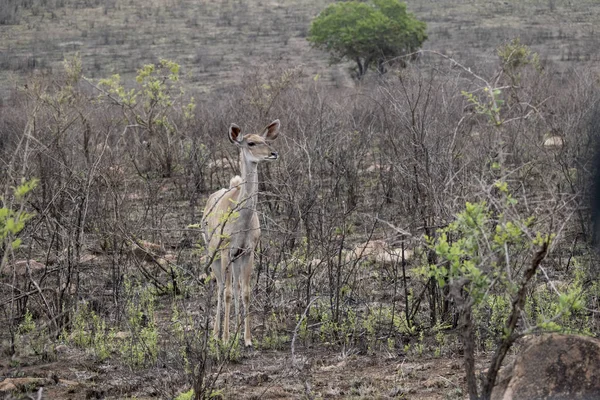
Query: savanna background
[[113, 132]]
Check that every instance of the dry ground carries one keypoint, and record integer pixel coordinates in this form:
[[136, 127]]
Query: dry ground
[[258, 375]]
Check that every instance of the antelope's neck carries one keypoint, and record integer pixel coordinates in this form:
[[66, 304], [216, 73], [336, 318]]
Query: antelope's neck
[[249, 192]]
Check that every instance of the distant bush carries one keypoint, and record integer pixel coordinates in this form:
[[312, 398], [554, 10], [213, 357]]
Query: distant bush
[[369, 33]]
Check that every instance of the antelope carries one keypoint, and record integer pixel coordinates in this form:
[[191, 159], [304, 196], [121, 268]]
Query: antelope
[[231, 228]]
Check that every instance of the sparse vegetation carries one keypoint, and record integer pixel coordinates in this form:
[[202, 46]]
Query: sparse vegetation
[[412, 223]]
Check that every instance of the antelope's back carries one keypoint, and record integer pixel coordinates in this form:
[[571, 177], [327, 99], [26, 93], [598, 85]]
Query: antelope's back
[[217, 205]]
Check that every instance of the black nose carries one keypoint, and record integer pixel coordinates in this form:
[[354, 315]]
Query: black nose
[[274, 154]]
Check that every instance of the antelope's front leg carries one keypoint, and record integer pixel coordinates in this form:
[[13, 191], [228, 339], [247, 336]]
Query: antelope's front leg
[[237, 265], [236, 295], [245, 275]]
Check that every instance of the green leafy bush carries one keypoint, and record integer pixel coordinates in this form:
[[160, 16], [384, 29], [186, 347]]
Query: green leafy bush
[[369, 33]]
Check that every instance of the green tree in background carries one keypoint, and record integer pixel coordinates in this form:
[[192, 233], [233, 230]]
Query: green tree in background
[[369, 33]]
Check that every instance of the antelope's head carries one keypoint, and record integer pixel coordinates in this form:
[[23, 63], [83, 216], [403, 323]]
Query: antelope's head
[[256, 148]]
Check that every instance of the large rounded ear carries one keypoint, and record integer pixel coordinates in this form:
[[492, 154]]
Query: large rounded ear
[[272, 130], [235, 134]]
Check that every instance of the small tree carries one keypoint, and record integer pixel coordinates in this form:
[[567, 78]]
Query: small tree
[[485, 254], [149, 108], [369, 33]]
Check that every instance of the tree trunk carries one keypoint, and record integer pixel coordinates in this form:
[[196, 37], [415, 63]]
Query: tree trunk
[[468, 339], [381, 66], [511, 325], [363, 67]]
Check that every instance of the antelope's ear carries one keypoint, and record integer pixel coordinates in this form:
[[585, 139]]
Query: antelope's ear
[[272, 130], [235, 134]]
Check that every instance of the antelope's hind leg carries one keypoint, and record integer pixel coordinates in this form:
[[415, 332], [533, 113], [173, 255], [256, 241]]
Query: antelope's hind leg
[[218, 273], [226, 269]]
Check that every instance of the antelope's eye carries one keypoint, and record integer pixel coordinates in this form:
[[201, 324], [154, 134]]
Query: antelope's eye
[[250, 144]]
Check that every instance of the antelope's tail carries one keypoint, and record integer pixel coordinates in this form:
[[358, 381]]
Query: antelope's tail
[[235, 182]]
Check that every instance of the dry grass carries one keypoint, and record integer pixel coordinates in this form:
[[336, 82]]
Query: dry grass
[[218, 42], [559, 30]]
